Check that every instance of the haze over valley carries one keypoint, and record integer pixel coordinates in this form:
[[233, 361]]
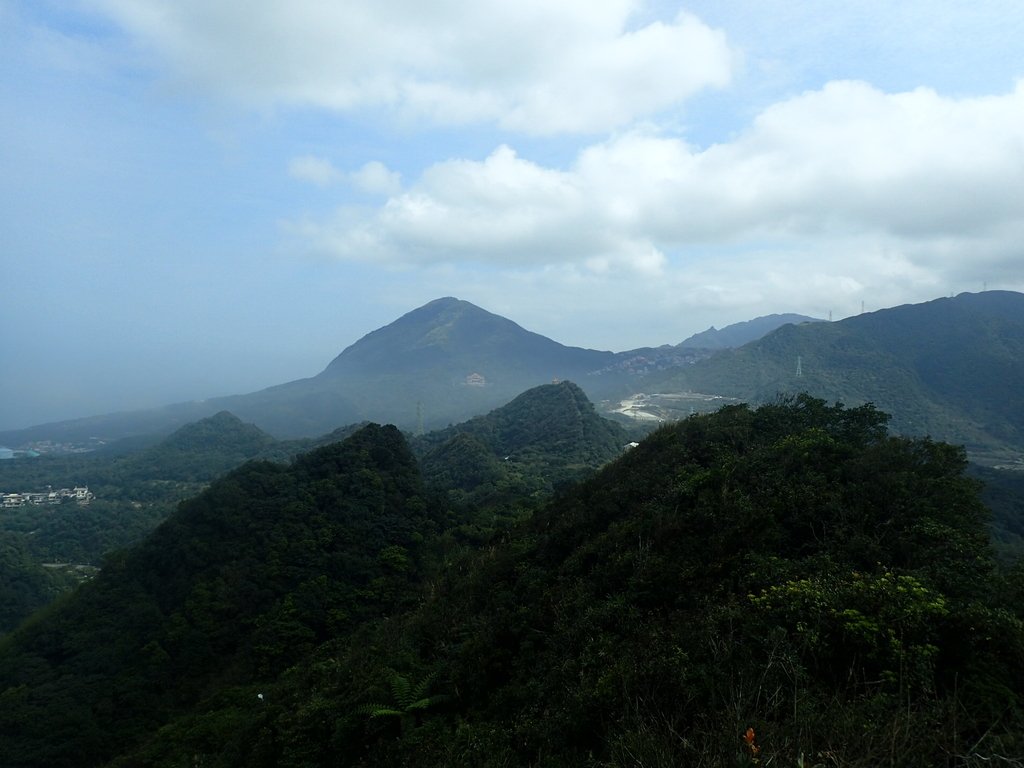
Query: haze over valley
[[948, 369]]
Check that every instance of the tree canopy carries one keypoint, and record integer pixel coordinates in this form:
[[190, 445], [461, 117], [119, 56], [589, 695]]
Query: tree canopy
[[784, 585]]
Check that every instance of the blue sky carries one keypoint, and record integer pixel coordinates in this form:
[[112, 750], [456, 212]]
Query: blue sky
[[202, 198]]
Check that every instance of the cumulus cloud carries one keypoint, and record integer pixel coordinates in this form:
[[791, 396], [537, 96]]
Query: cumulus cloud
[[530, 66], [911, 164], [502, 210], [939, 179]]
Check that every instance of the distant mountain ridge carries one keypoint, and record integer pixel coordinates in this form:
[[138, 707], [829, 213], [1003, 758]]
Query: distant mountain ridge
[[945, 368], [738, 334], [441, 363], [952, 368]]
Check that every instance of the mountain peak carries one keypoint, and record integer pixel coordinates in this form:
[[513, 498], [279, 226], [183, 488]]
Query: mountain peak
[[557, 418], [452, 335], [547, 433], [447, 306], [217, 431], [949, 368], [448, 301]]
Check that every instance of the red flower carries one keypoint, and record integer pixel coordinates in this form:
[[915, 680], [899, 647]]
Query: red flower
[[748, 737]]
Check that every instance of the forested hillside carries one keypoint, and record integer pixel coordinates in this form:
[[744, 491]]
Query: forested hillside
[[25, 584], [239, 584], [787, 585], [952, 368], [134, 490], [544, 438], [1003, 494]]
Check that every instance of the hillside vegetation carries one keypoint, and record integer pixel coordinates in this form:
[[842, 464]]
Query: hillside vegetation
[[551, 432], [787, 585], [543, 439], [135, 490], [951, 368], [236, 586]]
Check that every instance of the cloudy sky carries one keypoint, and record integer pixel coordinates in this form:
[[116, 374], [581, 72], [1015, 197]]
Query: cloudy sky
[[206, 197]]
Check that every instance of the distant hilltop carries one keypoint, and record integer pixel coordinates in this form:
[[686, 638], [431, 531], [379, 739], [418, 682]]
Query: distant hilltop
[[738, 334]]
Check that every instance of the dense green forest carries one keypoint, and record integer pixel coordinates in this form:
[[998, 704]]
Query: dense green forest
[[238, 584], [25, 584], [1003, 494], [952, 368], [545, 438], [782, 586], [552, 432], [135, 489]]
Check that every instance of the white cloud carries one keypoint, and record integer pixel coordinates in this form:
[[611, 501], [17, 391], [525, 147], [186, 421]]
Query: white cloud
[[531, 66], [910, 164], [375, 178], [315, 170], [905, 187], [501, 210]]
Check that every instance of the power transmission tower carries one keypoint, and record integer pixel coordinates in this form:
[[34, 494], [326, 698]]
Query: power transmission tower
[[419, 418], [799, 367]]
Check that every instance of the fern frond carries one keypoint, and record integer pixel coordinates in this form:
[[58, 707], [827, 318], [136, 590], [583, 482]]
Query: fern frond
[[426, 702], [378, 710], [420, 691], [400, 689]]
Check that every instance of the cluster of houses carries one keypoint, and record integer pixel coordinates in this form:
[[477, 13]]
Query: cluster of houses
[[80, 495]]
